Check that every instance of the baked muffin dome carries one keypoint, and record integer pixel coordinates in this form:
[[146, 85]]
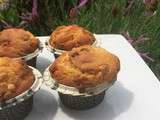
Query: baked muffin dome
[[85, 66], [15, 77], [16, 42], [68, 37]]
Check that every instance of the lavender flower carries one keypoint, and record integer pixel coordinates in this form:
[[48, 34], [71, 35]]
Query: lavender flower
[[30, 17], [127, 36], [128, 6], [82, 3], [34, 9], [140, 40], [73, 12], [150, 2], [145, 56], [151, 6]]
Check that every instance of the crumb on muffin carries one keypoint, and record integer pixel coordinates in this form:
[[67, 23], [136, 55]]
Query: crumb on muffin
[[68, 37], [85, 66], [15, 77], [16, 42]]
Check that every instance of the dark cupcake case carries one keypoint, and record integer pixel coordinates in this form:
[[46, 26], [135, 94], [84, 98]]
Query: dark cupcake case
[[18, 111], [72, 98], [19, 107], [81, 102]]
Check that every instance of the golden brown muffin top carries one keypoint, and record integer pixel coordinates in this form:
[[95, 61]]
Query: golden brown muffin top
[[68, 37], [16, 42], [85, 66], [15, 77]]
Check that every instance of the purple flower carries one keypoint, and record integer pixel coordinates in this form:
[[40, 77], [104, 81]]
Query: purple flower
[[34, 8], [127, 36], [30, 17], [146, 56], [151, 6], [81, 3], [140, 39], [73, 11], [149, 2], [133, 42], [128, 6]]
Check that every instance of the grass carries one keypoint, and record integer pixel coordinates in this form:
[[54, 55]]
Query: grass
[[98, 17]]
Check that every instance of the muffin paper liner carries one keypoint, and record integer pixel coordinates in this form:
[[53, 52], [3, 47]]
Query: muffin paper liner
[[58, 52], [25, 95], [50, 82], [72, 98], [17, 112], [80, 102]]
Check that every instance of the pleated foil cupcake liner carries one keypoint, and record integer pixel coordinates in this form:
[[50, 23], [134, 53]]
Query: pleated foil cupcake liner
[[17, 112], [72, 98], [81, 102], [32, 57], [58, 52], [21, 101], [51, 83]]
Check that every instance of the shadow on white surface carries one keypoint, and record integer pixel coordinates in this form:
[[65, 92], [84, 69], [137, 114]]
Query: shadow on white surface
[[45, 106], [43, 63], [116, 97]]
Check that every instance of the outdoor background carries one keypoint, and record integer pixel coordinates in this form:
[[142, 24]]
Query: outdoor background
[[137, 20]]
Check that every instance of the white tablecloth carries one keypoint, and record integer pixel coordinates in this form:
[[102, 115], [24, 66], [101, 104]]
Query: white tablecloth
[[135, 95]]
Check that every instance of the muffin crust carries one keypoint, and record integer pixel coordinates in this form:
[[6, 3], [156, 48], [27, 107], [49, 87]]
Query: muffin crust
[[15, 77], [16, 42], [68, 37], [85, 66]]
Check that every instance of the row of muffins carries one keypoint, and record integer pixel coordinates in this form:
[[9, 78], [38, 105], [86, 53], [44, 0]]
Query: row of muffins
[[17, 43], [80, 65]]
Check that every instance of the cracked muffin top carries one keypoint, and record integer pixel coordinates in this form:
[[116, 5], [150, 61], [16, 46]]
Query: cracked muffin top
[[68, 37], [16, 42], [85, 66], [15, 77]]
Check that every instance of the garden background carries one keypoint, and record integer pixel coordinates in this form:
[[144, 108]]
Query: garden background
[[137, 20]]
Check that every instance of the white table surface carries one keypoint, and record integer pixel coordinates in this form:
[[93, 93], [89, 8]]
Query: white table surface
[[135, 95]]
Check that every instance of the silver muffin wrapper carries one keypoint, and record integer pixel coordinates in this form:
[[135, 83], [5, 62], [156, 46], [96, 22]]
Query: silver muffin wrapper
[[17, 112], [58, 52], [72, 98], [80, 102], [19, 107], [32, 57]]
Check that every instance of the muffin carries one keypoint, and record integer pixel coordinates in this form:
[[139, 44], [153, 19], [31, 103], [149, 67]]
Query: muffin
[[85, 68], [67, 37], [16, 81], [17, 43]]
